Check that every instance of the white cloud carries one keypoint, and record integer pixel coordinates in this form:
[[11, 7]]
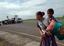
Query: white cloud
[[32, 3], [9, 5], [27, 4], [21, 13], [22, 9]]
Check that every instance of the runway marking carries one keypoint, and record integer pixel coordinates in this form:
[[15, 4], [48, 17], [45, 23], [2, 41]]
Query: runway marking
[[22, 33], [60, 43], [29, 35]]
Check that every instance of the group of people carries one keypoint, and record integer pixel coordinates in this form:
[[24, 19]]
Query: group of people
[[45, 26]]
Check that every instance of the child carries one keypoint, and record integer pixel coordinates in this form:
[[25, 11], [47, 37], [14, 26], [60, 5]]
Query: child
[[42, 25], [54, 26]]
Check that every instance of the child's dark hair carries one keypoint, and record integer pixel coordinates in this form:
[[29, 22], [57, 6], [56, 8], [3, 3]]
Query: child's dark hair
[[40, 13], [50, 10]]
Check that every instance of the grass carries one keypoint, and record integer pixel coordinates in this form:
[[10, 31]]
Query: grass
[[61, 19], [30, 20]]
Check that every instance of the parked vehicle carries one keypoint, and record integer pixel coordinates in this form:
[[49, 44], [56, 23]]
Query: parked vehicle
[[5, 22], [9, 21], [12, 21], [0, 23], [19, 20]]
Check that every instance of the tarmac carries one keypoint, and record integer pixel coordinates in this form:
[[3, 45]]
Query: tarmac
[[16, 40]]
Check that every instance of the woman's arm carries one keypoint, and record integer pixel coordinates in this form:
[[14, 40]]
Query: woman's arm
[[41, 28], [44, 27], [43, 35], [40, 31]]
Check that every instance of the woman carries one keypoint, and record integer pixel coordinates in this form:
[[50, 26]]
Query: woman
[[41, 23], [47, 38]]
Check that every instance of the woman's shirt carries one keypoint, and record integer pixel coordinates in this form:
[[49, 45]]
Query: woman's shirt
[[42, 23]]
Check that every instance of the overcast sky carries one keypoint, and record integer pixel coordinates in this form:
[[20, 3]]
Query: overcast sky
[[26, 9]]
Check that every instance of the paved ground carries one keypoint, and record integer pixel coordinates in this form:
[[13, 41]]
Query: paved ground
[[26, 30], [16, 40]]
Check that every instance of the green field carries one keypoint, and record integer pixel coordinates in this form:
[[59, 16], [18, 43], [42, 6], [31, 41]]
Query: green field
[[30, 20], [61, 19]]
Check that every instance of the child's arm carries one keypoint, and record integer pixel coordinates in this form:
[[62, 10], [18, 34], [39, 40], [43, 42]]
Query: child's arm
[[51, 25]]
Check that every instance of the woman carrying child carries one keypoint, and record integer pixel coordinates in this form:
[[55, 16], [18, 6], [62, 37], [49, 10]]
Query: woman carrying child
[[48, 38]]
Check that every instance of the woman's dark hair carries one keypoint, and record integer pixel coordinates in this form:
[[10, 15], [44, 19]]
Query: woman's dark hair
[[50, 10], [40, 13]]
